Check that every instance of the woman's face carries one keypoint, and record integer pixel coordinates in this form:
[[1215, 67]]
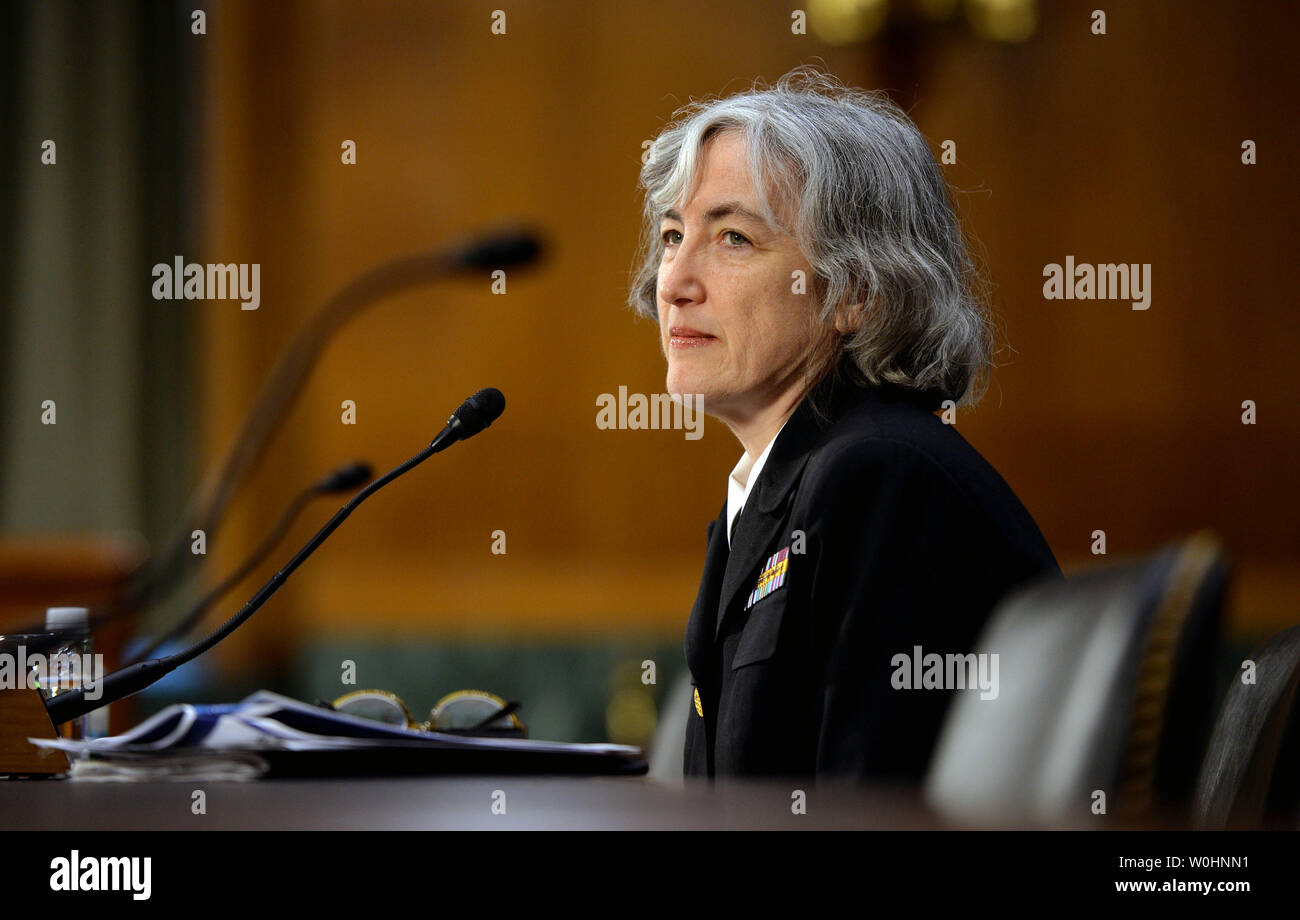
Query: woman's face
[[730, 323]]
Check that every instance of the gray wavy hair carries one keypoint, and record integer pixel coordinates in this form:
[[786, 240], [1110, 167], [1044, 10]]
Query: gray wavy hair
[[872, 215]]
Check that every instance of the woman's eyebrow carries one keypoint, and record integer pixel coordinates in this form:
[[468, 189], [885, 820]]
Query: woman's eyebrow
[[719, 211]]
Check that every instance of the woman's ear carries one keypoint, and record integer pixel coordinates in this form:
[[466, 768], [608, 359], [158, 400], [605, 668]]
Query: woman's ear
[[849, 317]]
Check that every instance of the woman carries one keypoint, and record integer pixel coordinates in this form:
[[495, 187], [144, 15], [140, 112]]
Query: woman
[[810, 283]]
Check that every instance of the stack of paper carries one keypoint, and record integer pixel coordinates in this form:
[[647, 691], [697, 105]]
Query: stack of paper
[[268, 734]]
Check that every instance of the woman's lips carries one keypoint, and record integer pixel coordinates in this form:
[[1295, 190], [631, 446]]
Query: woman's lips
[[680, 337]]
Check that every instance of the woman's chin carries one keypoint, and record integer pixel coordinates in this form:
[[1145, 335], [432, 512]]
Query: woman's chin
[[687, 376], [686, 385]]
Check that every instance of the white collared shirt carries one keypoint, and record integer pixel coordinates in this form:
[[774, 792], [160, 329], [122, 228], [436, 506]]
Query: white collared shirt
[[741, 481]]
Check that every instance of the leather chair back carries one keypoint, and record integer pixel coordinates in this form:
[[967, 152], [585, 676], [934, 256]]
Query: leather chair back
[[1251, 772], [1104, 700]]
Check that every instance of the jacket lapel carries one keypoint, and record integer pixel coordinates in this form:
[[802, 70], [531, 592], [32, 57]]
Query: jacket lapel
[[764, 513], [699, 630]]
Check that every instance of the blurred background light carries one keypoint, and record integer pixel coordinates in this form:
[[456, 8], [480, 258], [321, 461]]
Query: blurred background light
[[842, 22]]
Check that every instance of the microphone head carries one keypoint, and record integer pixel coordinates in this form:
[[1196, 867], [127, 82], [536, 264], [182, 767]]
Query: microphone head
[[513, 248], [477, 412], [346, 478]]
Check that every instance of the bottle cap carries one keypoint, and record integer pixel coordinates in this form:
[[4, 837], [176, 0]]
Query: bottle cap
[[67, 618]]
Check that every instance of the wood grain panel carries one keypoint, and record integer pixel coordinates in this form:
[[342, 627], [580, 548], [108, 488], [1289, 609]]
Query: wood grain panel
[[1123, 147]]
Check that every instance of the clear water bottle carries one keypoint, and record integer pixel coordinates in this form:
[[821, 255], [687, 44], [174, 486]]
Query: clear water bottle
[[72, 627]]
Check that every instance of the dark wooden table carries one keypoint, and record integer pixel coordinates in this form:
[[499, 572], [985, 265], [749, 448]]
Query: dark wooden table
[[451, 803]]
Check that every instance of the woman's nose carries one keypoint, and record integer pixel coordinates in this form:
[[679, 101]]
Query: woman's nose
[[681, 282]]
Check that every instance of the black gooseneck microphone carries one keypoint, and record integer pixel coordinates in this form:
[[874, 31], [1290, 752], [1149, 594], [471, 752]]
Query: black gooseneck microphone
[[475, 414], [344, 479], [504, 248]]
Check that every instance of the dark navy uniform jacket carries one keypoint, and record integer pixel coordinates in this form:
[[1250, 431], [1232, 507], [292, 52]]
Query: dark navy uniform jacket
[[897, 534]]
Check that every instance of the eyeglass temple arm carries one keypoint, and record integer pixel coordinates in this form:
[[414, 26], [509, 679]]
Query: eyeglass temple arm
[[507, 709]]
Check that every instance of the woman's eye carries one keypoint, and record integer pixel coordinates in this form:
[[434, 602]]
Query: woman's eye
[[669, 237], [732, 236]]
